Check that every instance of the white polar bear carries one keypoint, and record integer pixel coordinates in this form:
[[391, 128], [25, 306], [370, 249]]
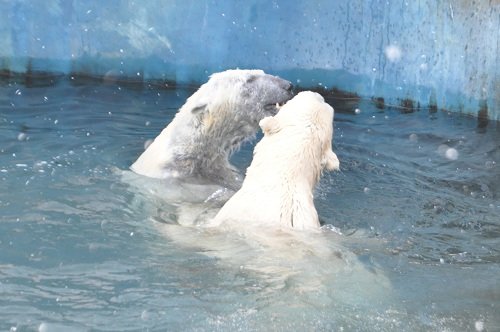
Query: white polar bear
[[212, 124], [287, 164]]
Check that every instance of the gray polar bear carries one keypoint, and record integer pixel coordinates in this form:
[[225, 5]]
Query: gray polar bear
[[287, 164], [211, 125]]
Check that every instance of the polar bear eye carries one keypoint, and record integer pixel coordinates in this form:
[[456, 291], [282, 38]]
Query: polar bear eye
[[251, 79]]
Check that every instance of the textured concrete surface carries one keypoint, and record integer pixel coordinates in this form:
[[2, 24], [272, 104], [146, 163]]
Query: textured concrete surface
[[437, 54]]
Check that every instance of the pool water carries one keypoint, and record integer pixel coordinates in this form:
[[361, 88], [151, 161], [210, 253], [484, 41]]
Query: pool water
[[412, 220]]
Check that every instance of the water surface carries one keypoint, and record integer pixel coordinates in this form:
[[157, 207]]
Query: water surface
[[415, 207]]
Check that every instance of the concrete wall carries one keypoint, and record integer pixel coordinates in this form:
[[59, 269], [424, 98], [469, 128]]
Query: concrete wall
[[439, 53]]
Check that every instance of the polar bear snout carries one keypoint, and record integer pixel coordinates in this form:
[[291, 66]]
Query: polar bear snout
[[275, 93], [281, 83]]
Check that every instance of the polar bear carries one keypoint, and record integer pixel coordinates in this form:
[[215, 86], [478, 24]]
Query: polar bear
[[211, 125], [287, 164]]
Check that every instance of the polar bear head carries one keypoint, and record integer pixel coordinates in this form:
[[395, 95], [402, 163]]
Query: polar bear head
[[231, 104], [306, 110], [214, 121], [223, 113]]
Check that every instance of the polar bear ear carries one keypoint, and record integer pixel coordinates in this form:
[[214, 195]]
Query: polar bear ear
[[330, 161], [199, 108], [269, 125]]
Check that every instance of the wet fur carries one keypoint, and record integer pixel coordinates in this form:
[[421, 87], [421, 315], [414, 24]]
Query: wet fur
[[287, 164], [211, 125]]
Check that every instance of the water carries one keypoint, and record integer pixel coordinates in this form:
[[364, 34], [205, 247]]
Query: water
[[411, 242]]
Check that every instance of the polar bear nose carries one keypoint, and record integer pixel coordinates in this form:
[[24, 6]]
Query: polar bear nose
[[283, 84]]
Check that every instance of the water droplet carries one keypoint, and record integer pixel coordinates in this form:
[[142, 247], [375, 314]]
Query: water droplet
[[366, 190], [147, 123], [18, 92], [45, 98], [451, 154], [88, 134], [479, 325], [21, 137], [357, 111], [413, 137], [56, 121], [145, 315], [393, 53], [147, 143], [131, 233]]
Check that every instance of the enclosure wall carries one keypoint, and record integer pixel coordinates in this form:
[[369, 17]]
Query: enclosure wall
[[423, 53]]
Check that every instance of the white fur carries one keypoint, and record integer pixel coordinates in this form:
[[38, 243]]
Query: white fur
[[213, 122], [287, 164]]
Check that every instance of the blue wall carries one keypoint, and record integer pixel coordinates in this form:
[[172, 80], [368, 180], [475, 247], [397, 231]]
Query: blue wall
[[444, 53]]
